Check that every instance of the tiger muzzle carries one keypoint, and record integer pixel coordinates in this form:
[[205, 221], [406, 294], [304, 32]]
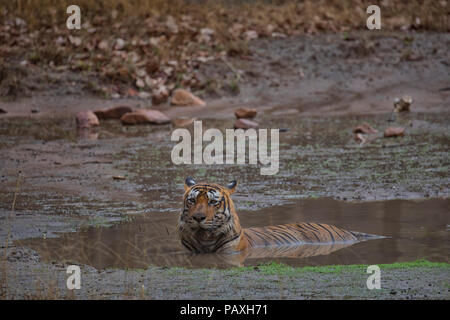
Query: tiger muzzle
[[199, 217]]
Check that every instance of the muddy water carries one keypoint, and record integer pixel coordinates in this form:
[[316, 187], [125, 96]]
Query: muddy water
[[416, 229]]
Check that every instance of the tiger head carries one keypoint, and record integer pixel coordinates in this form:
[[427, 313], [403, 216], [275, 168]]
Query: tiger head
[[208, 221]]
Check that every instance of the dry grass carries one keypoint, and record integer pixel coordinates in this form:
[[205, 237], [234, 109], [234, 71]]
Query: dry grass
[[165, 41], [434, 15]]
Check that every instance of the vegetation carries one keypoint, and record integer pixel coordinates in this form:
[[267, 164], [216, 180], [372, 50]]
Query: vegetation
[[283, 269]]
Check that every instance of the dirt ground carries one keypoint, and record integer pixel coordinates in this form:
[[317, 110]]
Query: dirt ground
[[49, 282], [317, 88]]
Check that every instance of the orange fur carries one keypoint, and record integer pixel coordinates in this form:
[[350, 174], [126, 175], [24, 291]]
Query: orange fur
[[209, 223]]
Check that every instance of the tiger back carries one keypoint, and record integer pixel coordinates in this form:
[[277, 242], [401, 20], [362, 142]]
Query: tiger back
[[302, 232]]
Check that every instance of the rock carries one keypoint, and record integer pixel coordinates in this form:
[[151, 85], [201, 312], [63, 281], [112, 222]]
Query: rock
[[364, 128], [183, 97], [402, 104], [183, 122], [113, 113], [245, 124], [34, 110], [144, 116], [245, 113], [86, 119], [394, 132]]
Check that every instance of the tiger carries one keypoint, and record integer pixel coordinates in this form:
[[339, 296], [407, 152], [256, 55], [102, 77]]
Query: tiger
[[209, 223]]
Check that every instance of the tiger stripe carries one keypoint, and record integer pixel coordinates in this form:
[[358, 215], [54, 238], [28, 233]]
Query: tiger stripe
[[220, 231]]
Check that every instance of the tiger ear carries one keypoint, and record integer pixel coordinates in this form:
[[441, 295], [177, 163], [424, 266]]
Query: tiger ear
[[189, 182], [232, 186]]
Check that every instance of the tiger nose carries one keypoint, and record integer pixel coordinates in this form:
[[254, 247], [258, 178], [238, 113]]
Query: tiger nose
[[199, 217]]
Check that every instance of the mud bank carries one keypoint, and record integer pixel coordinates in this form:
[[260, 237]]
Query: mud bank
[[420, 280]]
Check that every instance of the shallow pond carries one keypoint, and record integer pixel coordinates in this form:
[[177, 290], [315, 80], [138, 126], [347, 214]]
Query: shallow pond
[[415, 230]]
